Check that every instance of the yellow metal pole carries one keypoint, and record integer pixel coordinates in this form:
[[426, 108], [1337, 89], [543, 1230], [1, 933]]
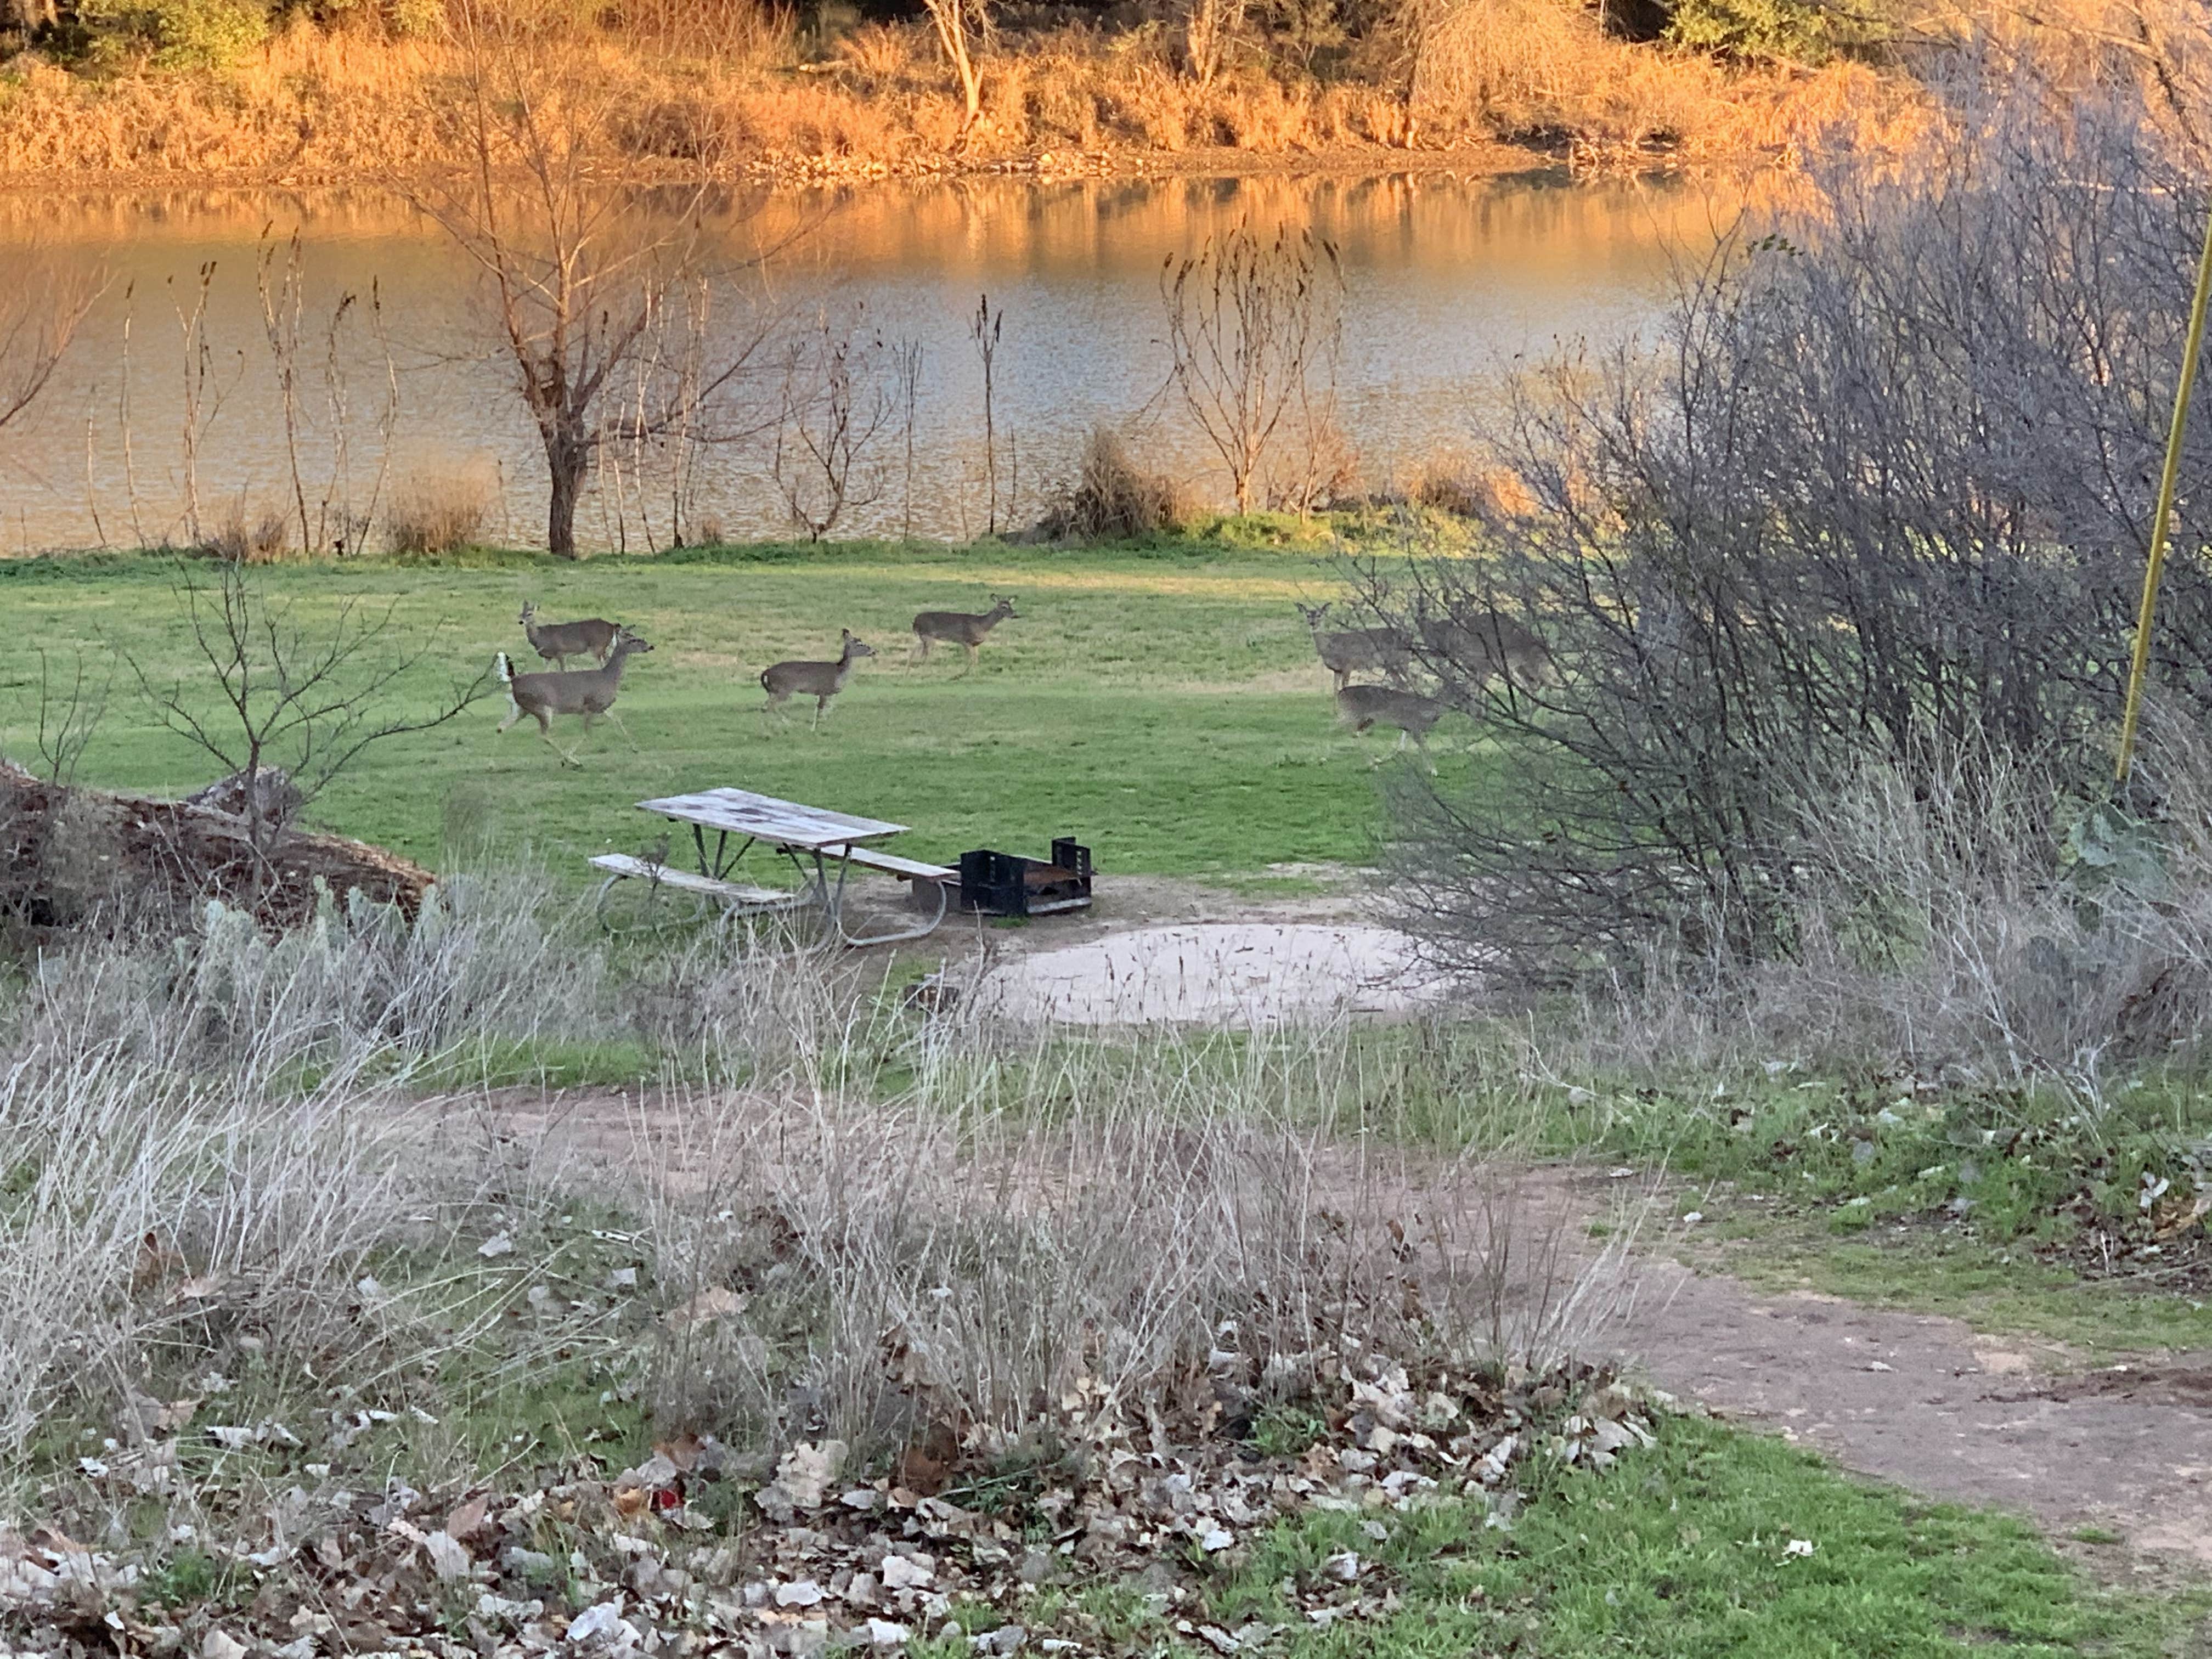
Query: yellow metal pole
[[2163, 519]]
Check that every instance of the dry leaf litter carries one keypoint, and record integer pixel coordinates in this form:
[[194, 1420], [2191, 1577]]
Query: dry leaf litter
[[822, 1558]]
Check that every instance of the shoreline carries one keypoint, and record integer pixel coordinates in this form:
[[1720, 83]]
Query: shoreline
[[1485, 160]]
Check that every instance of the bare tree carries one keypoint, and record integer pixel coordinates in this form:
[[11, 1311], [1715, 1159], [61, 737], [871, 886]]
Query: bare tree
[[835, 408], [291, 708], [1249, 321], [589, 271], [963, 28], [1208, 26]]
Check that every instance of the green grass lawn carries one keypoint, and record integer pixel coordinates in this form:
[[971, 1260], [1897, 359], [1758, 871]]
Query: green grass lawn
[[1683, 1551], [1163, 705]]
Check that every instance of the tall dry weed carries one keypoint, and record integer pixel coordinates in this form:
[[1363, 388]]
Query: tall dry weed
[[844, 1218], [437, 512]]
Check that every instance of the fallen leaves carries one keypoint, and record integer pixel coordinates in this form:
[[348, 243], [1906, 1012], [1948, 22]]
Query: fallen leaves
[[1142, 1493]]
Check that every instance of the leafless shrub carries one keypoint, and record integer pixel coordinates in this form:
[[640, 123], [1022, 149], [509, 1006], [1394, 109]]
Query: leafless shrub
[[69, 716], [1444, 486], [442, 512], [1502, 57], [945, 1263], [1872, 505], [39, 318], [1113, 498], [987, 329], [245, 536], [1251, 322], [835, 406], [221, 1148], [309, 702]]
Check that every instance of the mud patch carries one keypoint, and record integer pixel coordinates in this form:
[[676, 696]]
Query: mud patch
[[2187, 1387]]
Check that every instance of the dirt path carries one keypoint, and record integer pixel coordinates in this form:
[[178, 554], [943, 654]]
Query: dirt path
[[1934, 1406]]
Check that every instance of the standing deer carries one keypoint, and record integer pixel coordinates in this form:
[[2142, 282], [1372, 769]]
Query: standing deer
[[1361, 707], [1344, 652], [589, 692], [960, 627], [558, 641], [1483, 650], [818, 680]]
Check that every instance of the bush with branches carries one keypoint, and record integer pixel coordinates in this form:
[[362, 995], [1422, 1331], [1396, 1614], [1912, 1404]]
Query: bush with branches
[[1882, 498]]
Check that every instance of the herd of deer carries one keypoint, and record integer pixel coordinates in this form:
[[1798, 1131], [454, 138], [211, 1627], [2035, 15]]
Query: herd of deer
[[1481, 653], [589, 693], [1477, 654]]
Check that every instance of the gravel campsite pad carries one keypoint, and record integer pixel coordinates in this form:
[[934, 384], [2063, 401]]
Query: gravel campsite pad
[[1238, 974]]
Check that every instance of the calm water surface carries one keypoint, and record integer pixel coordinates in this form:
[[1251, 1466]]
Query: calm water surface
[[1447, 283]]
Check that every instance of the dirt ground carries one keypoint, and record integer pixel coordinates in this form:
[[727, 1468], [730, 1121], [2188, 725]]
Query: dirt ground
[[1922, 1401]]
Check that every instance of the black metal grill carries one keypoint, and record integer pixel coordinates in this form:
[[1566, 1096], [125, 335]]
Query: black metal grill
[[1007, 885]]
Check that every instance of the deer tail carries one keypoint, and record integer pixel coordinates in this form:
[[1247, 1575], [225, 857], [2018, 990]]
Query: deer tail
[[506, 669]]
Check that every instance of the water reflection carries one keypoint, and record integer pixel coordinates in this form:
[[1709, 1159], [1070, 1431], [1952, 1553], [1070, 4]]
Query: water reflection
[[1446, 281]]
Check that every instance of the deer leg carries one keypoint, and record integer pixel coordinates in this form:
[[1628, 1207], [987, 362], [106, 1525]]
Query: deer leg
[[970, 668], [922, 640], [821, 704], [620, 727], [513, 714], [775, 703], [567, 759]]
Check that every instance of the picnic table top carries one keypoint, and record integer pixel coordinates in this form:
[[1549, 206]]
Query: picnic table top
[[780, 822]]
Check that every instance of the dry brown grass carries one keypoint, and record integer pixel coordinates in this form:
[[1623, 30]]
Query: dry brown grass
[[441, 513], [1113, 497], [247, 536], [725, 93]]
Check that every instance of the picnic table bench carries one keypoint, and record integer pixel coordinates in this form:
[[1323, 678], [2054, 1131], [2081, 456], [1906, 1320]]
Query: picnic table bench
[[816, 841]]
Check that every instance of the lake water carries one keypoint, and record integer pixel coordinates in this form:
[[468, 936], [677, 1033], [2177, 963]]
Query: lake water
[[1446, 282]]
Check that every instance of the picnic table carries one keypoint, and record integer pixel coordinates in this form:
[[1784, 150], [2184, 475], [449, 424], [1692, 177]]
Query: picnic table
[[824, 846]]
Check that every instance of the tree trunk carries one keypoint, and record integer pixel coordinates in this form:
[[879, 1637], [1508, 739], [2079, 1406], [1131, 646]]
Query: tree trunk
[[567, 457]]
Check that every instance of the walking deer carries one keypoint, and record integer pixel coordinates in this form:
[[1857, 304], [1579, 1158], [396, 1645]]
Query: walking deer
[[589, 692], [1363, 707], [1344, 652], [818, 680], [558, 641], [960, 627]]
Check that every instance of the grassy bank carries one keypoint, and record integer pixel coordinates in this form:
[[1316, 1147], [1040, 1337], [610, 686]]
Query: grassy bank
[[1164, 705]]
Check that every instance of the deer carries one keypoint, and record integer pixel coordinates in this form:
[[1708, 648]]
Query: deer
[[1363, 707], [589, 692], [960, 627], [818, 680], [558, 641], [1484, 650], [1344, 652]]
